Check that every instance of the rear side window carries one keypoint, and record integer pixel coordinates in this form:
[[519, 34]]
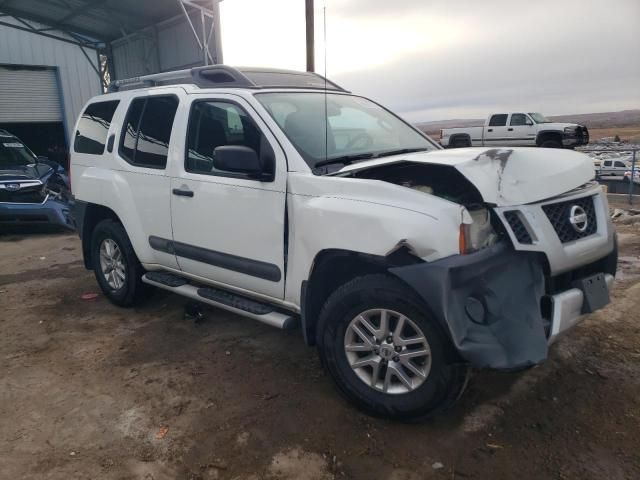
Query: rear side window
[[499, 120], [93, 127], [147, 130]]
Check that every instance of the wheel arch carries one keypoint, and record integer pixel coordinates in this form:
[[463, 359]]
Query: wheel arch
[[548, 135], [92, 215], [332, 268], [459, 136]]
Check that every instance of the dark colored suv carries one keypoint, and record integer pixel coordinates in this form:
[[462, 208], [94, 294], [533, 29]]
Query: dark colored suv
[[33, 190]]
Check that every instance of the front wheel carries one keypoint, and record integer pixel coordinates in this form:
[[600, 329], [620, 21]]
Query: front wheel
[[385, 354], [115, 264]]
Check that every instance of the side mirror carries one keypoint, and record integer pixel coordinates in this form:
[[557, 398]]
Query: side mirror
[[237, 159]]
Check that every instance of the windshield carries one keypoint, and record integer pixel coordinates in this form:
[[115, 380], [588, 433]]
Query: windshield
[[13, 154], [539, 118], [357, 128]]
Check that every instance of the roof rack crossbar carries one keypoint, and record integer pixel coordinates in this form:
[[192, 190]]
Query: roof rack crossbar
[[223, 76]]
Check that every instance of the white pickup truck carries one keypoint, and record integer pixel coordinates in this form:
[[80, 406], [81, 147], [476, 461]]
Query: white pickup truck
[[516, 129]]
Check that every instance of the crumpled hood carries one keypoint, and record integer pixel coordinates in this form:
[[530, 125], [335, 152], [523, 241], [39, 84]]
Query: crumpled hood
[[17, 173], [505, 176]]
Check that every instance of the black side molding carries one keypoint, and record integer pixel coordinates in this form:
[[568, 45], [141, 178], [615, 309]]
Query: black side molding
[[248, 266]]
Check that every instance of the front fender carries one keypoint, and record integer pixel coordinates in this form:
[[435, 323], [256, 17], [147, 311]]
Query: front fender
[[357, 216]]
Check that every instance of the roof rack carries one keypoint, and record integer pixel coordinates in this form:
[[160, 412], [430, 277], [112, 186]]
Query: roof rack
[[223, 76]]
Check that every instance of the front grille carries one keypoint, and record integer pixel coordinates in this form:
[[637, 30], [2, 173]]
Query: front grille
[[22, 196], [26, 218], [517, 227], [559, 213]]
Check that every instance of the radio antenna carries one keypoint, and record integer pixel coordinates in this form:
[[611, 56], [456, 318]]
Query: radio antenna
[[326, 117]]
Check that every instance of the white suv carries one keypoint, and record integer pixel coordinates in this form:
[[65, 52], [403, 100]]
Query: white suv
[[282, 197]]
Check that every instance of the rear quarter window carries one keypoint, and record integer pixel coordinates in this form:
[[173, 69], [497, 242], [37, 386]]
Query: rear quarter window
[[93, 127]]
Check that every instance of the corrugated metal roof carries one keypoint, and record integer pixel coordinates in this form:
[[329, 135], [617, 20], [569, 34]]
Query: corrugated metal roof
[[104, 20]]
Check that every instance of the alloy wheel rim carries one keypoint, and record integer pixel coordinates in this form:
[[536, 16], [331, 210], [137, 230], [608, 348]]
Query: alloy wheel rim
[[387, 351], [112, 264]]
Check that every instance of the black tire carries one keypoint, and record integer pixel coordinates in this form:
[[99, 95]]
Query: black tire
[[446, 379], [461, 143], [132, 290], [551, 143]]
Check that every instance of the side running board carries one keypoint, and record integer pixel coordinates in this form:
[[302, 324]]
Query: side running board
[[232, 302]]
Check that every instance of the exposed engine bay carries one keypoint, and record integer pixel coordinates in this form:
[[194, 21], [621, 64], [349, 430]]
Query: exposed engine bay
[[445, 182]]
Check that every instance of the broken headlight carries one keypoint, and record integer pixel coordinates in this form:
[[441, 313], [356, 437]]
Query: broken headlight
[[479, 234]]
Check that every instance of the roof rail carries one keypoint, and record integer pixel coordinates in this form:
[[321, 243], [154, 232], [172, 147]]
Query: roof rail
[[223, 76]]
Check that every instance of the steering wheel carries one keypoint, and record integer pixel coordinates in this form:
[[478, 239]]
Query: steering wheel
[[365, 138]]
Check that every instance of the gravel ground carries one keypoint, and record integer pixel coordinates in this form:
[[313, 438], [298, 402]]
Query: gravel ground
[[89, 390]]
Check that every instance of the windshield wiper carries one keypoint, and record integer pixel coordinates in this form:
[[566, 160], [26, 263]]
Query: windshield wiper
[[399, 152], [344, 159]]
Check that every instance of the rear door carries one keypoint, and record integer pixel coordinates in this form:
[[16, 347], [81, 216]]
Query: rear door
[[142, 152], [521, 130], [495, 133], [228, 228]]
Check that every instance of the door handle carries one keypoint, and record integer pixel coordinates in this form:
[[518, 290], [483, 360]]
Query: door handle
[[112, 137], [510, 129], [182, 193], [490, 130]]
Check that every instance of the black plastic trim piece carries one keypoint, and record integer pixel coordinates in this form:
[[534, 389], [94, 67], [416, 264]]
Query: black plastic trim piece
[[166, 279], [235, 301], [78, 212], [247, 266], [182, 193], [508, 284]]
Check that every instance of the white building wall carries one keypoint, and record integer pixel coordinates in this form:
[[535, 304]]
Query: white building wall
[[77, 79]]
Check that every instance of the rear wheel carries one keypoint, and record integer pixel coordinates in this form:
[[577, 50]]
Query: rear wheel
[[461, 143], [115, 264], [385, 354]]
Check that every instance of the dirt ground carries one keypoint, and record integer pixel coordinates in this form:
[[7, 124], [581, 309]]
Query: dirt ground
[[630, 134], [89, 390]]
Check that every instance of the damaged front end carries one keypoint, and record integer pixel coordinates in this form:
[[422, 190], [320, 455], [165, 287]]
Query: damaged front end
[[38, 195], [530, 266]]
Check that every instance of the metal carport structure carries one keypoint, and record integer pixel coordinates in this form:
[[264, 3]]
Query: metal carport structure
[[129, 38]]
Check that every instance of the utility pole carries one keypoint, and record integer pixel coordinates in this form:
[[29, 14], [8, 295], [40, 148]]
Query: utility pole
[[311, 67]]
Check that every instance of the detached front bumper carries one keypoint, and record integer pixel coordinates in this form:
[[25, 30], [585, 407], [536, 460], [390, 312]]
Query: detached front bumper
[[50, 212], [497, 305]]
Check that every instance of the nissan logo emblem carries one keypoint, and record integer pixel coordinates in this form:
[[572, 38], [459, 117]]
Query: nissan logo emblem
[[12, 187], [578, 219]]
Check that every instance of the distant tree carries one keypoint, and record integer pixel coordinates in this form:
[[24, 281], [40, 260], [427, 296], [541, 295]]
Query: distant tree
[[616, 138]]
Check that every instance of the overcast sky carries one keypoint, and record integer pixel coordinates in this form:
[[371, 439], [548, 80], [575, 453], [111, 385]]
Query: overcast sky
[[433, 60]]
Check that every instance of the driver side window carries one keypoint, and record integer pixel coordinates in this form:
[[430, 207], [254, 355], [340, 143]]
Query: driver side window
[[519, 120], [215, 124]]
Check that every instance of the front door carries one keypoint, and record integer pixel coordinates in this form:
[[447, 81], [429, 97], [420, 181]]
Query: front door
[[495, 133], [521, 130], [228, 228]]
